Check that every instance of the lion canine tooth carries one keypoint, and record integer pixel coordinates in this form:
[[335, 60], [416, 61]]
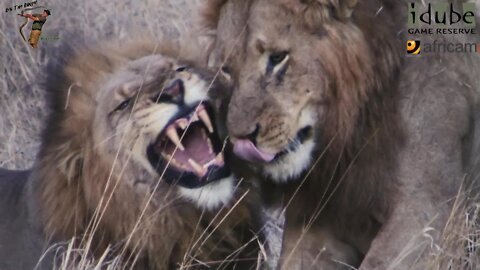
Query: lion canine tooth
[[194, 118], [211, 162], [206, 120], [197, 167], [182, 123], [173, 136], [166, 156], [173, 161]]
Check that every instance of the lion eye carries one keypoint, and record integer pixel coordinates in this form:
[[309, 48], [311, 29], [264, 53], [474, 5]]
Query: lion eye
[[226, 72], [181, 69], [277, 57], [122, 106]]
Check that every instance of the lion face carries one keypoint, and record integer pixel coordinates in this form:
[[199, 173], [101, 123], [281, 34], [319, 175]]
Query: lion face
[[155, 122], [292, 76]]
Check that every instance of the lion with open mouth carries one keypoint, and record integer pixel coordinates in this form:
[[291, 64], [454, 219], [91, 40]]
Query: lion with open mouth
[[131, 161], [367, 149]]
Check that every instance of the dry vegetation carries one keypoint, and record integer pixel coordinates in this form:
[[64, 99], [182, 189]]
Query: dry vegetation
[[22, 105]]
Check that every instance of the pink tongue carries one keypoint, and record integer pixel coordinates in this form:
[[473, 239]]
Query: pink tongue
[[247, 150]]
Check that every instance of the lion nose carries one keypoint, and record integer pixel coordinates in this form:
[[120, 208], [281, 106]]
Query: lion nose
[[247, 132], [243, 116], [172, 93], [175, 90]]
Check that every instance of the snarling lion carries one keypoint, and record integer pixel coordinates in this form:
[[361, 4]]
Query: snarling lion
[[130, 162], [369, 146]]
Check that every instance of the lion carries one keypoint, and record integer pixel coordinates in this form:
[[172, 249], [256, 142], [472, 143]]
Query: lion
[[368, 147], [131, 165]]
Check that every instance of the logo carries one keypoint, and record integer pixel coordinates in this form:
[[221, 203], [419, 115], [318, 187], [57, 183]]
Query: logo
[[37, 15], [413, 47], [38, 20], [438, 20], [450, 47], [441, 14]]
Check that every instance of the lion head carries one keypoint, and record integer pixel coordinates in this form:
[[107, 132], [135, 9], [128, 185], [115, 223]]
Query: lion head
[[303, 72], [130, 144]]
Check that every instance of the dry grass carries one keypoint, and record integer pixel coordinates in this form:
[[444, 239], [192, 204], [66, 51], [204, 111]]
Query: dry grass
[[456, 247], [459, 243]]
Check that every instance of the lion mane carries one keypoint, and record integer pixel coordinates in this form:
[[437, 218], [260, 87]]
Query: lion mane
[[327, 107]]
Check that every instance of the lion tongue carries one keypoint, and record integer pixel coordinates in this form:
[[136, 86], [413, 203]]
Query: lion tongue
[[247, 150]]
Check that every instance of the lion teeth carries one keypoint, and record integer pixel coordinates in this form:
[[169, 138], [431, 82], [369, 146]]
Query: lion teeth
[[218, 160], [166, 156], [173, 161], [173, 136], [209, 142], [206, 165], [206, 120], [211, 162], [197, 167]]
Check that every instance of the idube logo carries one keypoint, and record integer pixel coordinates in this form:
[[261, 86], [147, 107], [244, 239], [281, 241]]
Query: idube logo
[[413, 47]]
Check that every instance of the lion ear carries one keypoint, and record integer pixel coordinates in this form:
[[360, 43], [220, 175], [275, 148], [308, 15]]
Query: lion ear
[[317, 12], [346, 8]]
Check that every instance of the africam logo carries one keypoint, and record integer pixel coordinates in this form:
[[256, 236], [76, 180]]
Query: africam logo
[[414, 47]]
